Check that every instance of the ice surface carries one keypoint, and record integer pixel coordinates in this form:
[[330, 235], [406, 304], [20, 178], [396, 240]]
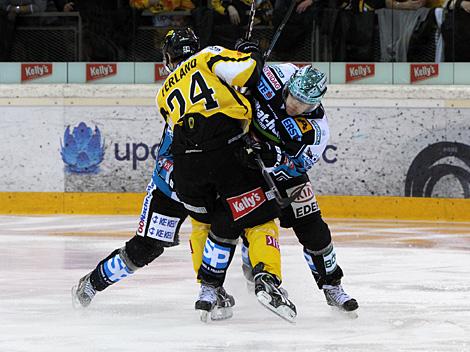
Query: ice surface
[[411, 279]]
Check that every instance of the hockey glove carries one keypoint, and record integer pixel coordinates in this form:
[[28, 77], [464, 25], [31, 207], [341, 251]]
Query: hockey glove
[[246, 46], [286, 170], [270, 154]]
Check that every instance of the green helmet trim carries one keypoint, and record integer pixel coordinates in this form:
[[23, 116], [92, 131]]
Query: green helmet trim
[[308, 85]]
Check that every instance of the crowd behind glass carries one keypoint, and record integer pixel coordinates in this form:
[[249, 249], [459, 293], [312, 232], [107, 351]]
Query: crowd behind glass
[[317, 30]]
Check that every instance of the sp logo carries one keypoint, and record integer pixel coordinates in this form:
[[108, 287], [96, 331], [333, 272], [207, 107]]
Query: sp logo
[[216, 255]]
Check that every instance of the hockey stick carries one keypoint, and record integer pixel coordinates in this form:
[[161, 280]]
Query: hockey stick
[[251, 20], [279, 30], [283, 202]]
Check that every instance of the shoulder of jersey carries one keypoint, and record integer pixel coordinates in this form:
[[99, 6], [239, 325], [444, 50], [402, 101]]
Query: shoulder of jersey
[[282, 71], [213, 50]]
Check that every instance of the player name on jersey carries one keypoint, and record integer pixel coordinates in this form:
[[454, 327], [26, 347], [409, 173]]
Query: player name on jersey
[[178, 75]]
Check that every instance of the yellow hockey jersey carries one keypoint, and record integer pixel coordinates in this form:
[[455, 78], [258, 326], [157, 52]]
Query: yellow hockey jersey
[[199, 101]]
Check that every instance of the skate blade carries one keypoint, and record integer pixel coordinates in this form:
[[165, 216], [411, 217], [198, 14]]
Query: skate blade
[[203, 315], [284, 312], [75, 302], [250, 286], [222, 313], [345, 313]]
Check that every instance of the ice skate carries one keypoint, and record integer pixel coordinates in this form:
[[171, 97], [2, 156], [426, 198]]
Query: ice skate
[[223, 308], [273, 297], [206, 302], [83, 293], [337, 298]]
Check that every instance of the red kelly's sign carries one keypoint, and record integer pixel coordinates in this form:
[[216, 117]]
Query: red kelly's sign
[[420, 72], [245, 203], [160, 72], [35, 71], [355, 72], [98, 71]]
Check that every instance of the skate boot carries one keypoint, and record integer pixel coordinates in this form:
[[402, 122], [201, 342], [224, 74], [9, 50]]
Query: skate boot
[[83, 293], [336, 297], [223, 308], [273, 297], [206, 302]]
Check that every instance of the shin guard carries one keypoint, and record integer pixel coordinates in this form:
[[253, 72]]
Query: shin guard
[[323, 265], [112, 269], [218, 253]]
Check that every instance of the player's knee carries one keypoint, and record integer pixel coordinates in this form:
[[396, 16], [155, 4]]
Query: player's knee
[[142, 250], [199, 230], [313, 234]]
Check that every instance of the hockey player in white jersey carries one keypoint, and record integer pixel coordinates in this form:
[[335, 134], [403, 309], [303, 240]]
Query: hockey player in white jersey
[[290, 133]]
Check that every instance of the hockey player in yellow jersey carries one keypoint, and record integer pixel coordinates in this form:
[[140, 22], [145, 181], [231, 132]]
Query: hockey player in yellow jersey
[[209, 118]]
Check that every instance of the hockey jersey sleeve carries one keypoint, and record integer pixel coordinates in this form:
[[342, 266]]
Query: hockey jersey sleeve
[[235, 68], [296, 165], [313, 152]]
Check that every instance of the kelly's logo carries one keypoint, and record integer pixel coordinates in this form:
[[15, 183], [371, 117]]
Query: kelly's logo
[[98, 71], [355, 72], [160, 72], [245, 203], [35, 71], [420, 72]]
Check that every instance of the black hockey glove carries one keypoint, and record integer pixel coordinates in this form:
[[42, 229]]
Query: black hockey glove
[[246, 46], [270, 154]]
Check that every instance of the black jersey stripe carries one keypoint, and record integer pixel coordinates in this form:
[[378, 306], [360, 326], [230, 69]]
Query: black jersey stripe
[[234, 94], [213, 60]]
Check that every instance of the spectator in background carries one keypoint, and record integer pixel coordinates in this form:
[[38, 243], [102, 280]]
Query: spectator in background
[[108, 29], [9, 10], [64, 5], [298, 29], [159, 7], [405, 4], [232, 16], [456, 31]]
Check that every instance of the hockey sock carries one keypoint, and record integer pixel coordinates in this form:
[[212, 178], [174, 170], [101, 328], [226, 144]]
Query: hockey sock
[[218, 253], [323, 265], [197, 240], [112, 269], [264, 247]]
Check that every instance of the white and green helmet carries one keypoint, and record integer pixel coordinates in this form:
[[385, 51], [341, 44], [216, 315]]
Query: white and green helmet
[[308, 85]]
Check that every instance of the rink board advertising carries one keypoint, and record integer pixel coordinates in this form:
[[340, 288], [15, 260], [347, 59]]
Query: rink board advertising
[[389, 149]]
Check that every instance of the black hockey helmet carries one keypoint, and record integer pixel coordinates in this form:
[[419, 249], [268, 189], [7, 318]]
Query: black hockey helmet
[[178, 45]]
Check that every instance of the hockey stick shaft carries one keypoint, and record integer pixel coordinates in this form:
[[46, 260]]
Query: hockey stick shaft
[[279, 30], [283, 202], [251, 21]]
